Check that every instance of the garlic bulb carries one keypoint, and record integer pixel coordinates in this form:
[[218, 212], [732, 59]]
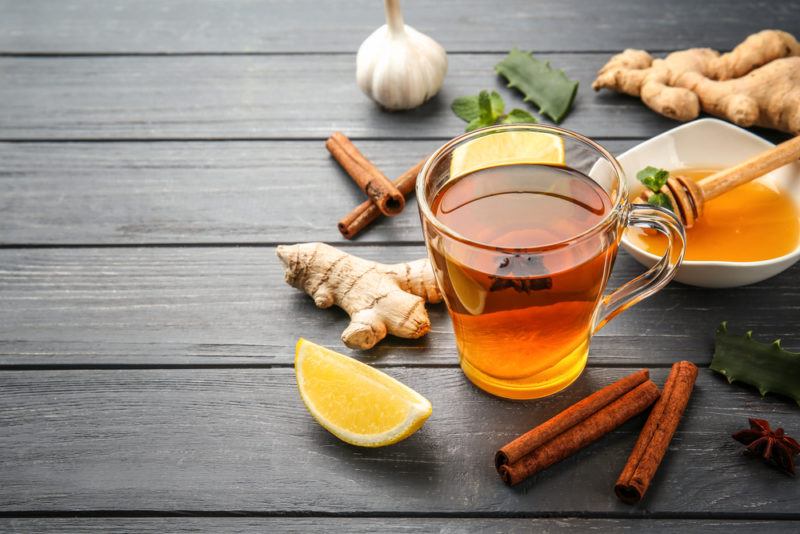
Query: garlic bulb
[[397, 66]]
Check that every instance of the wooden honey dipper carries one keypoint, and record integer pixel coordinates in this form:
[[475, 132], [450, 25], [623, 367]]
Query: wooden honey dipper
[[689, 197]]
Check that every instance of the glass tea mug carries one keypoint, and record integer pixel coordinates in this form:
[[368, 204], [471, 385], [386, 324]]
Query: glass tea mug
[[526, 335]]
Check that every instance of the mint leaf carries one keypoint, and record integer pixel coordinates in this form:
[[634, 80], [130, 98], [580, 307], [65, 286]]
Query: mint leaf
[[548, 88], [497, 104], [518, 115], [653, 178], [474, 124], [486, 109], [486, 114], [466, 107], [661, 200]]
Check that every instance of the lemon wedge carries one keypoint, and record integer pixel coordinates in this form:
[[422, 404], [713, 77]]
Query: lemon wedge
[[471, 294], [506, 148], [355, 402]]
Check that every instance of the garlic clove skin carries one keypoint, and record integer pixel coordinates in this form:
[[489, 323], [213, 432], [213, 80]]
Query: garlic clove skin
[[399, 67]]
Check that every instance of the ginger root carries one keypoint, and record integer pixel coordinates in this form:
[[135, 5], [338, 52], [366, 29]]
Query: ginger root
[[379, 298], [758, 83]]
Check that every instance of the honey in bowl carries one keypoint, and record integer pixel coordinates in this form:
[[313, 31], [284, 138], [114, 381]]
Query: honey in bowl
[[752, 222]]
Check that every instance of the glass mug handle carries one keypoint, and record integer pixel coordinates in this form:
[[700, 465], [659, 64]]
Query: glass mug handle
[[659, 275]]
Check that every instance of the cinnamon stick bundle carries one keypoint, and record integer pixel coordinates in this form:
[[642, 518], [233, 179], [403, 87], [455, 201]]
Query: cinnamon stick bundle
[[656, 434], [362, 215], [573, 415], [575, 428], [374, 183]]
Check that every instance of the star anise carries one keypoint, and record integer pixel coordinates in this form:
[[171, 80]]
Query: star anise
[[772, 445], [521, 285], [513, 271]]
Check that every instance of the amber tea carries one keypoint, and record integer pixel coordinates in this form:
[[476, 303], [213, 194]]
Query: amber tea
[[523, 320], [522, 224]]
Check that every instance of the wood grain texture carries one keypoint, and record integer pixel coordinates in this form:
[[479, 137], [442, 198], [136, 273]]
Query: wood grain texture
[[241, 440], [198, 192], [189, 305], [259, 85], [407, 525], [266, 97], [285, 191], [268, 26]]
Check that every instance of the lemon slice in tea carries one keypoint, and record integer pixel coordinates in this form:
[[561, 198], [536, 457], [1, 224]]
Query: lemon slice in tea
[[355, 402], [506, 148], [471, 294]]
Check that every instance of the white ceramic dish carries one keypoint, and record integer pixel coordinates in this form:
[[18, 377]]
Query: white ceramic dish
[[710, 143]]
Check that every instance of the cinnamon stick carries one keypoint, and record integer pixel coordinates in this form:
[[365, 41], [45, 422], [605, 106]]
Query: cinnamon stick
[[373, 182], [535, 438], [582, 434], [362, 215], [656, 434]]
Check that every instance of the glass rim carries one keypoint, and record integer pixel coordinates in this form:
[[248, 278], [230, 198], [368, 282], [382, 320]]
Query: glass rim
[[434, 158]]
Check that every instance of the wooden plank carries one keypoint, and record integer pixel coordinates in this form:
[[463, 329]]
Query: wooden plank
[[189, 305], [274, 26], [265, 97], [240, 439], [409, 525], [191, 192], [198, 192]]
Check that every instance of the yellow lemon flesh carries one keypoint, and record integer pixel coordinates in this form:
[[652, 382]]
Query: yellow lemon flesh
[[353, 401], [471, 294], [506, 148]]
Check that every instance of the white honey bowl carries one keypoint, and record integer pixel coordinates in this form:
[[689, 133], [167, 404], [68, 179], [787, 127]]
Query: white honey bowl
[[710, 143]]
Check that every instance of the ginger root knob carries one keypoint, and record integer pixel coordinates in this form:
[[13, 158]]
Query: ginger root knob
[[379, 298], [756, 84]]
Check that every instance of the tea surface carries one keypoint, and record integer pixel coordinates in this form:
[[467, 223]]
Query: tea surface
[[519, 206]]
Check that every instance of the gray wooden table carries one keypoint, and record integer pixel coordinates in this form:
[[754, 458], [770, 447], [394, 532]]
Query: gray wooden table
[[152, 155]]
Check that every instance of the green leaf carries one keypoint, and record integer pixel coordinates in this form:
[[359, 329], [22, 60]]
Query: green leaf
[[466, 108], [486, 109], [518, 115], [497, 104], [653, 178], [661, 200], [474, 124], [548, 88], [486, 114], [766, 366]]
